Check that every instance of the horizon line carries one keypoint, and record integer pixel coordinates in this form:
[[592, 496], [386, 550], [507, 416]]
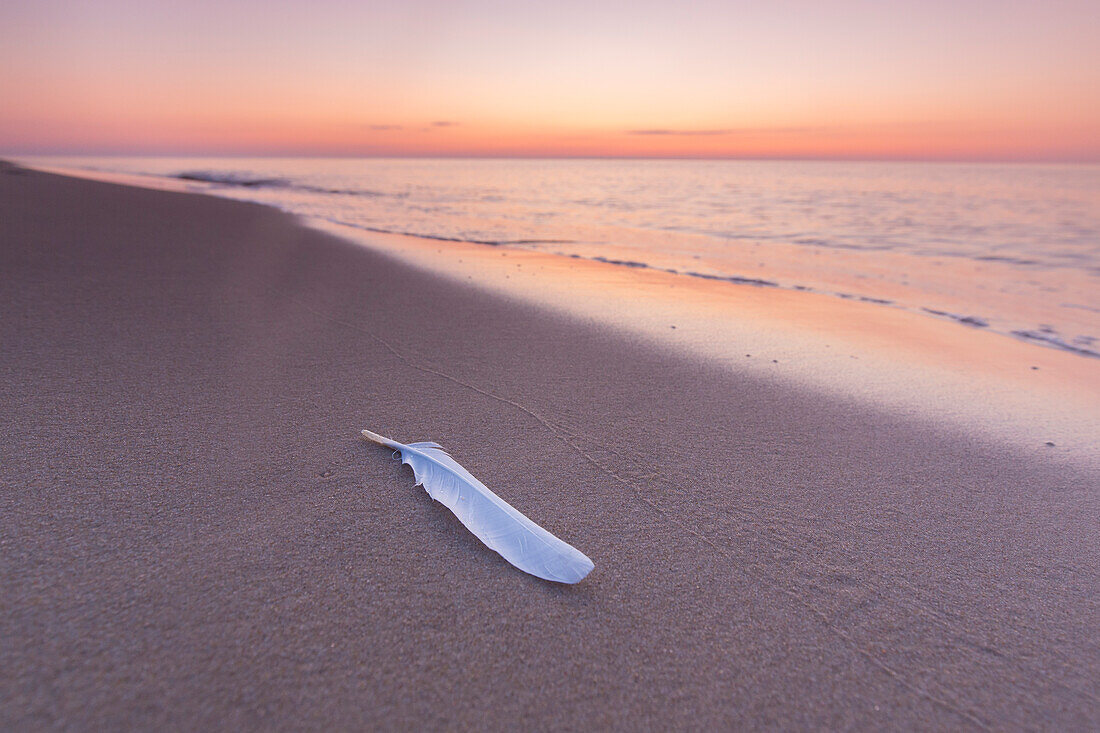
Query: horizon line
[[1093, 159]]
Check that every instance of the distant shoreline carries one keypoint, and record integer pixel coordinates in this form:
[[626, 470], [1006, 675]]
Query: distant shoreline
[[1015, 289]]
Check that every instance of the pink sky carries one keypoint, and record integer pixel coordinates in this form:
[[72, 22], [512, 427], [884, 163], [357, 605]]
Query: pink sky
[[908, 79]]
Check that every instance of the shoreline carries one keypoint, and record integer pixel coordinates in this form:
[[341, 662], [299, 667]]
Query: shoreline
[[194, 535], [1035, 397], [1004, 390], [781, 271]]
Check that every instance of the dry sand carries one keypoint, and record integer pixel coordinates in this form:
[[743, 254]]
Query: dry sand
[[193, 535]]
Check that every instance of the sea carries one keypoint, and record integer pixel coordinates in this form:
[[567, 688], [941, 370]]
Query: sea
[[1011, 248]]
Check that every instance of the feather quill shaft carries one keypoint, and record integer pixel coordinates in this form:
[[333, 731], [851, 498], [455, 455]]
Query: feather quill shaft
[[495, 522]]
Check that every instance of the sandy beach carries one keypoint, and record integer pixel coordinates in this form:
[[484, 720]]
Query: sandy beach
[[194, 536]]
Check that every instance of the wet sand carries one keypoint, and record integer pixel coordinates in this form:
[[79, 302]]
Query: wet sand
[[192, 534]]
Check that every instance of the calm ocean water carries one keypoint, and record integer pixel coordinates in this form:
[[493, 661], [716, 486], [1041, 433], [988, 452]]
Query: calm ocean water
[[1011, 248]]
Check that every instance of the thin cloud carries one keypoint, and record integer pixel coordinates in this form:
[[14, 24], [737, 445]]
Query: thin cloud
[[678, 132], [430, 126], [729, 131]]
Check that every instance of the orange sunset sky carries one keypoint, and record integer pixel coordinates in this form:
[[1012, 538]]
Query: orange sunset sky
[[904, 79]]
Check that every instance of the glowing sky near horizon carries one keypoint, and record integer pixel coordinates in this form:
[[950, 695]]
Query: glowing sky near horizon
[[852, 78]]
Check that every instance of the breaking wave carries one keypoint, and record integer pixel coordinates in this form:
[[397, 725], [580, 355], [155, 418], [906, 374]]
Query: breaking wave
[[234, 179]]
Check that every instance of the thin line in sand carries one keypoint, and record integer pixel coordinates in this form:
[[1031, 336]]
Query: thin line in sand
[[885, 668]]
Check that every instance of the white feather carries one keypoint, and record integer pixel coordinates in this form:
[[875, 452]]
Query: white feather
[[500, 526]]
